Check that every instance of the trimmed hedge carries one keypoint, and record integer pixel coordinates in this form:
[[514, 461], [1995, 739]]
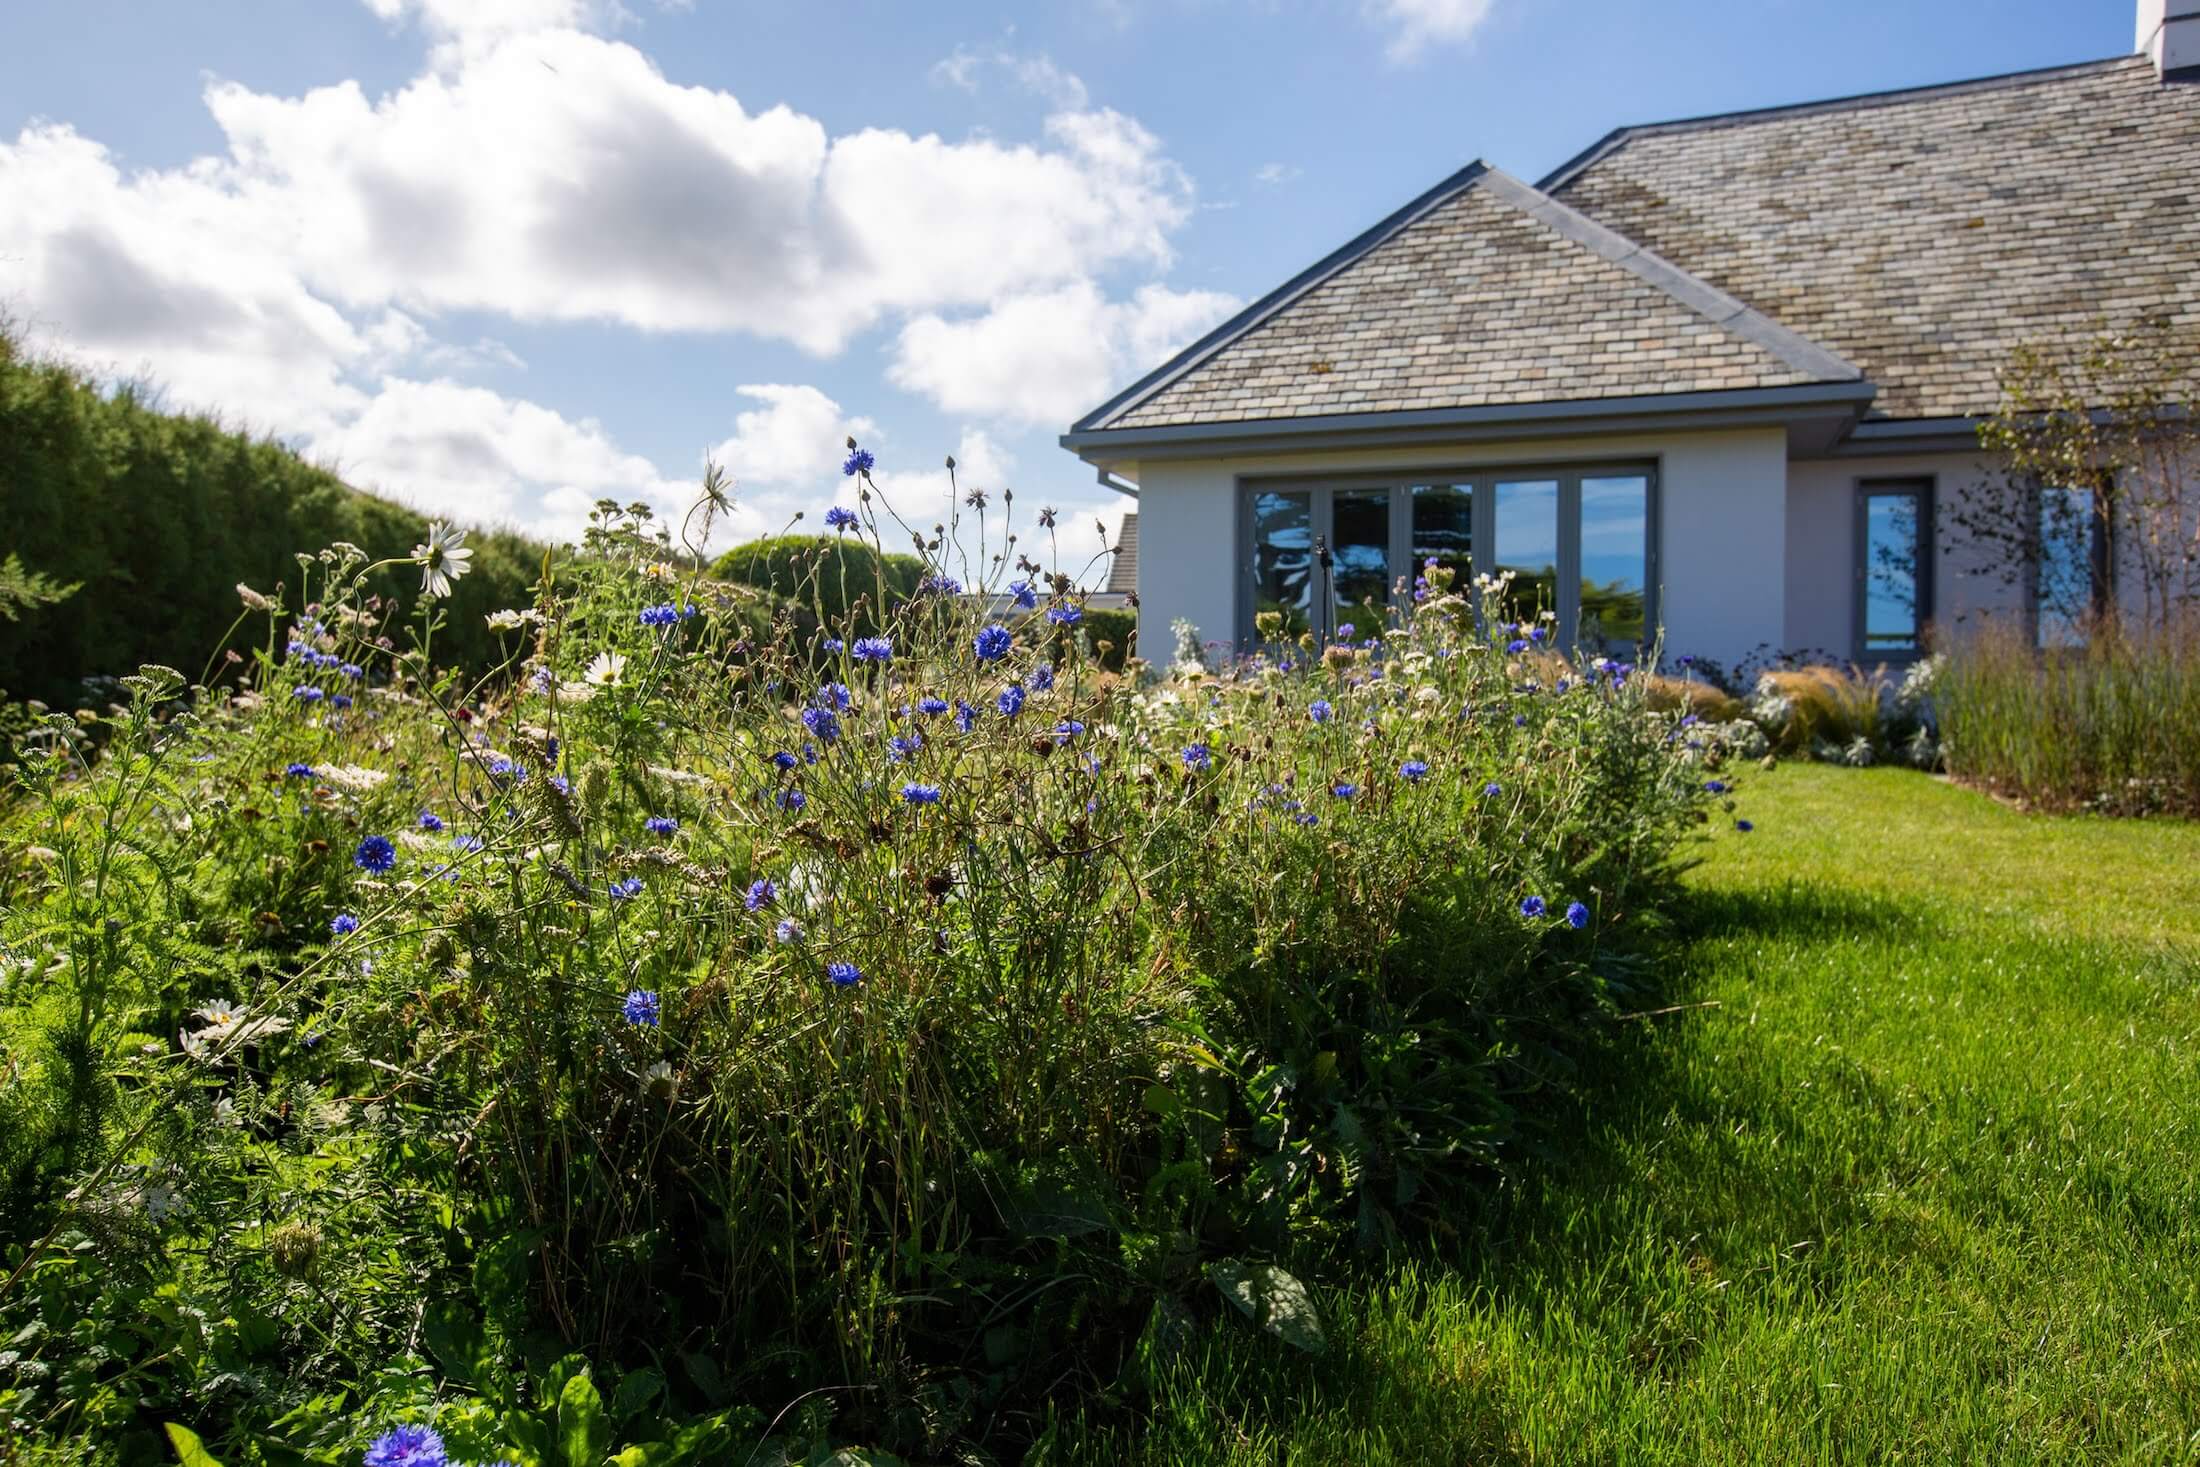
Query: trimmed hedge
[[845, 571], [160, 515]]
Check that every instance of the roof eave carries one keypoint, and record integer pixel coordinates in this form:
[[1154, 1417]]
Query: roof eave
[[1839, 405]]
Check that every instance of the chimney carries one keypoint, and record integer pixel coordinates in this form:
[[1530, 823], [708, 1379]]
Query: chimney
[[2169, 36]]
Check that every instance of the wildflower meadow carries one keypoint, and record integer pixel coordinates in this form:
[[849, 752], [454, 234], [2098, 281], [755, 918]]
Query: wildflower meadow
[[871, 1027]]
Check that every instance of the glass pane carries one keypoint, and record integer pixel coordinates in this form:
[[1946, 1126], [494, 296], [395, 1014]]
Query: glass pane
[[1443, 531], [1360, 576], [1283, 558], [2065, 592], [1527, 545], [1615, 564], [1891, 614]]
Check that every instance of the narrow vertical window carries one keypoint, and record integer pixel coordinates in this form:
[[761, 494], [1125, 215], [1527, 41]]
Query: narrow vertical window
[[1443, 530], [1894, 570], [1359, 547], [1527, 544], [1615, 564], [1283, 558], [2063, 590]]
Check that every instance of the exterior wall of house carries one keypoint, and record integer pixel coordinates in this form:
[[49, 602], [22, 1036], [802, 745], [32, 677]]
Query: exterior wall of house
[[1722, 516], [1968, 580]]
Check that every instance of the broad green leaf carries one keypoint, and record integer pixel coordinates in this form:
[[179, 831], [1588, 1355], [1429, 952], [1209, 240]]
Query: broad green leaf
[[1272, 1299], [583, 1433], [190, 1451]]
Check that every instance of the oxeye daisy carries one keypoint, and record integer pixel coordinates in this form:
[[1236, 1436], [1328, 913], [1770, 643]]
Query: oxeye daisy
[[443, 559]]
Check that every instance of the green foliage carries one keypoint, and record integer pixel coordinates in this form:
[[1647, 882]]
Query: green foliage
[[22, 590], [761, 1016], [828, 577], [158, 517]]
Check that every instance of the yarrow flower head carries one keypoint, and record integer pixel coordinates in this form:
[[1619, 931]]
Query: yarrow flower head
[[1577, 916], [838, 518], [343, 924], [859, 461], [846, 975], [627, 890], [375, 855], [993, 643], [874, 649], [1531, 906], [762, 893], [408, 1446], [921, 794], [661, 825], [640, 1008], [1413, 771], [1198, 757]]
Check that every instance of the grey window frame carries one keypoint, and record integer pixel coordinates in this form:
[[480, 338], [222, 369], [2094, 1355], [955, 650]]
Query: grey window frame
[[1925, 488], [1322, 487]]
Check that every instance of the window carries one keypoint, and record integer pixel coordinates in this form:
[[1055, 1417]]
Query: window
[[1580, 543], [2066, 576], [1894, 568]]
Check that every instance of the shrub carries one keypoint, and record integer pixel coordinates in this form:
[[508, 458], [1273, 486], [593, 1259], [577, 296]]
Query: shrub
[[830, 577], [928, 1017], [2113, 724]]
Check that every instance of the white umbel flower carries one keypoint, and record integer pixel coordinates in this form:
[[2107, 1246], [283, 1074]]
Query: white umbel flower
[[443, 559]]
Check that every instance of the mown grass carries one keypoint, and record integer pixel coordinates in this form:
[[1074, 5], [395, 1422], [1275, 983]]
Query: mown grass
[[1924, 1186]]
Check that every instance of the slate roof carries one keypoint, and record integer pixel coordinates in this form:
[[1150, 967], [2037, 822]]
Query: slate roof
[[1485, 291], [1924, 234], [1123, 569]]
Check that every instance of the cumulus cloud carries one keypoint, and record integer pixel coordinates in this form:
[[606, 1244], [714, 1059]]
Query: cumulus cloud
[[1415, 25], [1047, 358]]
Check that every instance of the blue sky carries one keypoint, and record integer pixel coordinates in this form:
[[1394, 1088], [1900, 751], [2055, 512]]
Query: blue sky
[[504, 257]]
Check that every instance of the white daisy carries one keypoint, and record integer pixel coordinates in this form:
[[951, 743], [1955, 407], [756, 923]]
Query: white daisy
[[605, 670], [443, 559]]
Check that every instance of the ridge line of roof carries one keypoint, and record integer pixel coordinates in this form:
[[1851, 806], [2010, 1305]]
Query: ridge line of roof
[[1728, 313], [1573, 167], [1283, 295]]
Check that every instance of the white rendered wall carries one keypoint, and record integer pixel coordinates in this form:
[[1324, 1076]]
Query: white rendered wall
[[1723, 507]]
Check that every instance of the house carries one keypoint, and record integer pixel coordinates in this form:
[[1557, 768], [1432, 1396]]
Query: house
[[1715, 377]]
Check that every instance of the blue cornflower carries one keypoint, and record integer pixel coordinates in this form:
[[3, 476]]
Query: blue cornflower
[[353, 671], [640, 1008], [1026, 594], [1011, 701], [660, 616], [859, 462], [466, 843], [838, 518], [809, 753], [408, 1446], [834, 646], [508, 769], [1744, 826], [1042, 676], [1714, 786], [430, 821], [343, 924], [661, 825], [298, 771], [1306, 818], [792, 799], [1064, 615], [1516, 646], [1536, 634], [306, 695], [1069, 728], [339, 700], [627, 890], [931, 707], [901, 746], [761, 894], [375, 854], [940, 584], [788, 930], [835, 696], [1318, 710], [874, 649], [847, 975], [823, 722], [1531, 906], [1520, 720], [1198, 757], [1344, 791], [1493, 789], [965, 716], [921, 794], [784, 760], [1345, 631], [1577, 916], [993, 643], [1413, 771]]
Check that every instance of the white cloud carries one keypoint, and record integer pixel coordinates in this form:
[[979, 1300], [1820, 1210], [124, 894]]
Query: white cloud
[[1276, 173], [1047, 358], [1419, 24]]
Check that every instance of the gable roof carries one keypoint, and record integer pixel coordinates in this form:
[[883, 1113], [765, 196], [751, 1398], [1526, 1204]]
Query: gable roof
[[1482, 292], [1924, 234]]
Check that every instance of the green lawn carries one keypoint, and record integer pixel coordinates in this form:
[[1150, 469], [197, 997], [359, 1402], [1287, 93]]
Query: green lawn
[[1923, 1187]]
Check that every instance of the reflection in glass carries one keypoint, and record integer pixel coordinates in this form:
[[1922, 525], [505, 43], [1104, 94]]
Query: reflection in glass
[[1443, 530], [1360, 543], [2065, 583], [1283, 558], [1615, 564], [1527, 545], [1893, 619]]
